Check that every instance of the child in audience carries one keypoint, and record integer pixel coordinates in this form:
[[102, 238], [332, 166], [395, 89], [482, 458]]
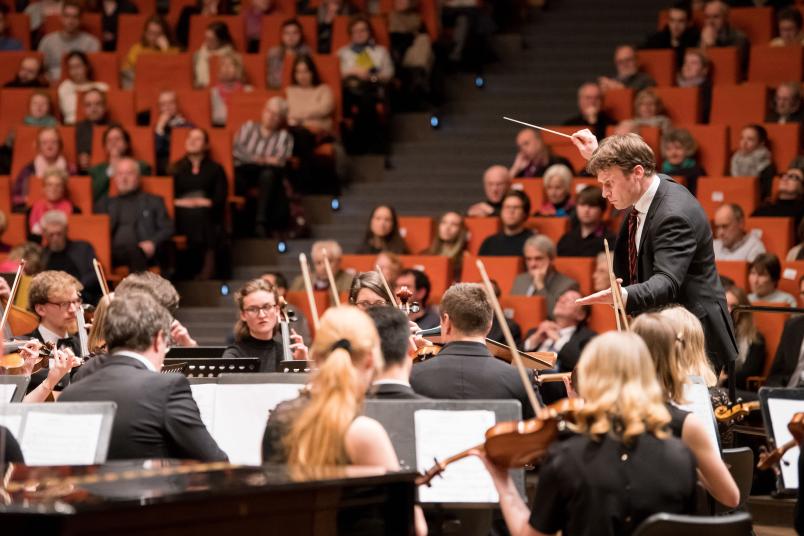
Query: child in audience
[[763, 278], [231, 80], [753, 158], [679, 150]]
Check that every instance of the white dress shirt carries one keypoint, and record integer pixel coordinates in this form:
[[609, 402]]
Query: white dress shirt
[[564, 335], [642, 206], [50, 336], [391, 381], [141, 358]]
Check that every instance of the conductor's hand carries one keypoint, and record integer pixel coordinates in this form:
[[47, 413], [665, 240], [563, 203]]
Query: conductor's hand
[[604, 296], [586, 142]]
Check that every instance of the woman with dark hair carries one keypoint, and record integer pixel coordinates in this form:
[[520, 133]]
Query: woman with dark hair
[[155, 38], [80, 78], [753, 158], [201, 7], [796, 253], [382, 233], [311, 104], [116, 145], [217, 42], [368, 291], [763, 278], [750, 341], [291, 45], [256, 331], [199, 189]]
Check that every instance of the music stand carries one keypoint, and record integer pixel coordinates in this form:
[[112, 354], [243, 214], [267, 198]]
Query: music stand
[[778, 406], [205, 352], [199, 367], [16, 385]]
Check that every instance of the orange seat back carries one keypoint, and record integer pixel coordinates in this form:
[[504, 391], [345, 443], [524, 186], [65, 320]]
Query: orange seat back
[[533, 188], [501, 269], [775, 65], [578, 268], [713, 192], [417, 232], [771, 325], [298, 299], [90, 23], [738, 104], [659, 64], [527, 311], [14, 106], [120, 104], [681, 104], [93, 228], [199, 24], [359, 263], [552, 227], [792, 271], [25, 146], [619, 103], [19, 27], [11, 63], [602, 319], [161, 186], [712, 147], [437, 268], [130, 27], [755, 22], [155, 72], [725, 65], [245, 107], [15, 232], [5, 194], [480, 229], [142, 145], [776, 233], [79, 190], [737, 271]]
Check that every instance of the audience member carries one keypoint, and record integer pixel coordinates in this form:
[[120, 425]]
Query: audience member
[[257, 332], [390, 265], [200, 192], [600, 276], [585, 239], [155, 39], [368, 291], [80, 78], [496, 183], [796, 253], [557, 197], [787, 369], [717, 30], [764, 273], [169, 118], [116, 146], [291, 46], [695, 72], [788, 24], [217, 42], [418, 284], [38, 11], [343, 278], [71, 256], [732, 241], [70, 38], [753, 158], [201, 7], [140, 226], [156, 414], [565, 334], [678, 34], [649, 111], [325, 17], [393, 381], [590, 111], [231, 79], [110, 11], [509, 241], [750, 342], [260, 151], [450, 240], [49, 155], [311, 103], [411, 52], [680, 155], [382, 233], [628, 74], [295, 316], [786, 104], [96, 113], [7, 42], [789, 201], [55, 197], [693, 358], [31, 253], [541, 277], [31, 73], [252, 14], [534, 156], [464, 368], [40, 114]]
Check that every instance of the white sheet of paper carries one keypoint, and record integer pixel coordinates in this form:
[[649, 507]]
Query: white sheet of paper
[[700, 403], [7, 390], [241, 412], [441, 434], [60, 439], [12, 422], [782, 411], [204, 396]]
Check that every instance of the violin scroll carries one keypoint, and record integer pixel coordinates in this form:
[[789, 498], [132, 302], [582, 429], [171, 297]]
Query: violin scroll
[[408, 307]]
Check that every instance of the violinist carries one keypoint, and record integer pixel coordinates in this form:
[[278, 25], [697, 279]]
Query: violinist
[[464, 368], [612, 474], [256, 333], [419, 284], [62, 361], [368, 291], [393, 382]]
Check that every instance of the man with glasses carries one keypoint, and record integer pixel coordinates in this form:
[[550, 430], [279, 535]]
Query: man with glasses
[[514, 214], [717, 31], [628, 73], [70, 37], [789, 201], [541, 277]]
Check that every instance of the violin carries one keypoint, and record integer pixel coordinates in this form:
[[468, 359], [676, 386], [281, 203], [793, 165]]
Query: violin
[[532, 360], [730, 413], [768, 460], [13, 364], [408, 307], [515, 444]]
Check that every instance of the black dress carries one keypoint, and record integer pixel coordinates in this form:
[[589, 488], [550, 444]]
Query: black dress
[[10, 451], [604, 487], [269, 352], [279, 423], [677, 417]]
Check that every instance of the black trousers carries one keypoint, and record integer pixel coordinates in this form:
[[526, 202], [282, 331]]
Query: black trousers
[[134, 258], [266, 183]]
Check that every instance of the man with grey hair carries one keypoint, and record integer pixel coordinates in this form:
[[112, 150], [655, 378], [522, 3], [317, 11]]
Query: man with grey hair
[[261, 149], [156, 414], [343, 278], [496, 183], [541, 277], [734, 242], [718, 31], [71, 256], [786, 104]]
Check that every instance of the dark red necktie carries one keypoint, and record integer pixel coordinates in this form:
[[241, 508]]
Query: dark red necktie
[[632, 245]]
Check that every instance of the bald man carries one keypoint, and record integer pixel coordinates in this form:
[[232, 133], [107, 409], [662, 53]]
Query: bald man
[[496, 183], [534, 156]]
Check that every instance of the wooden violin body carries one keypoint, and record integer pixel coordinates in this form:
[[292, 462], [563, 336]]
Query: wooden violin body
[[768, 460], [532, 360], [13, 364]]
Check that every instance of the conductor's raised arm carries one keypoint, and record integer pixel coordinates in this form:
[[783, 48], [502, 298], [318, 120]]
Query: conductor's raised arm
[[585, 141]]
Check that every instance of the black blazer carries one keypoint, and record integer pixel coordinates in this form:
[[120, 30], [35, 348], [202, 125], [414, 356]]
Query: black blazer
[[571, 351], [676, 264], [466, 370], [153, 222], [156, 414], [787, 353], [393, 391]]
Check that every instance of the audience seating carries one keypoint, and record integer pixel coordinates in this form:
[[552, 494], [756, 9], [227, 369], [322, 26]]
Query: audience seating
[[712, 147], [738, 104], [755, 22], [792, 271], [163, 71], [79, 190], [253, 69], [105, 68], [359, 263], [552, 227], [120, 104], [776, 233], [578, 268], [713, 192], [14, 107], [479, 229], [659, 64], [130, 28], [248, 107], [5, 195], [298, 299], [681, 104], [438, 269], [25, 146], [725, 65], [775, 65], [272, 31], [19, 27], [161, 186], [90, 23], [533, 188], [147, 7], [340, 32], [784, 141], [329, 70], [194, 104], [417, 232], [619, 103], [220, 148], [174, 12], [93, 228], [199, 24], [142, 145], [771, 326], [10, 65], [601, 318], [527, 311], [737, 271], [283, 8], [16, 231], [501, 269]]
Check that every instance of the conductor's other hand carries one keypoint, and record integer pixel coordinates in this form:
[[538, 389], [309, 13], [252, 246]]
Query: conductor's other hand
[[586, 142]]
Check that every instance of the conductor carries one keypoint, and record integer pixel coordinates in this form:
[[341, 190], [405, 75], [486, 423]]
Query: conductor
[[663, 252]]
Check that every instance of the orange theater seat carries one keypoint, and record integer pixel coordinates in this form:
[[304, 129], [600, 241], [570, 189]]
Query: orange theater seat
[[340, 32], [713, 192], [552, 227], [19, 27], [738, 104], [479, 230], [533, 188], [437, 268], [174, 12], [755, 22], [771, 326], [247, 107], [11, 63], [282, 8], [14, 107], [776, 233], [298, 299], [651, 135], [90, 23], [784, 141], [105, 68], [725, 65], [602, 319], [737, 271], [93, 228], [253, 68], [619, 103], [79, 190], [272, 31], [5, 194], [712, 147], [792, 271], [417, 232], [194, 104], [775, 65], [199, 24], [578, 268], [25, 147], [161, 186], [15, 232], [682, 104], [121, 107], [660, 64], [564, 147], [359, 263], [527, 311], [163, 71], [142, 145], [130, 27], [501, 269]]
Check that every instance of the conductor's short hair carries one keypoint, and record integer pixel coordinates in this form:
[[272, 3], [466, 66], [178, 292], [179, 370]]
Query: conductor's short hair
[[625, 152]]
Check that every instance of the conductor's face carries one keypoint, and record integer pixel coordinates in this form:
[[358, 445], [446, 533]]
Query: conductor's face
[[621, 189]]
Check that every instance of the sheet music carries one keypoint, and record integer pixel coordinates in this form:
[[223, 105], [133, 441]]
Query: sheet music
[[12, 422], [204, 396], [700, 403], [441, 434], [781, 412], [7, 390], [60, 438]]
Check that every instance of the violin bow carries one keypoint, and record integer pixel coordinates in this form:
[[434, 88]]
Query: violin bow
[[616, 293], [308, 286], [523, 375], [385, 285], [335, 297], [12, 294], [101, 276]]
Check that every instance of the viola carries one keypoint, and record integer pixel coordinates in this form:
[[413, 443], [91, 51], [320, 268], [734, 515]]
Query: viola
[[769, 459], [730, 413], [532, 360], [515, 444]]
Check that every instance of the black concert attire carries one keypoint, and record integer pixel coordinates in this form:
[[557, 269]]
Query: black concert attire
[[783, 208], [496, 333], [10, 451], [663, 40], [677, 418], [270, 352], [430, 319], [70, 342], [76, 259], [393, 391], [572, 244], [753, 363], [788, 355], [503, 245], [280, 421]]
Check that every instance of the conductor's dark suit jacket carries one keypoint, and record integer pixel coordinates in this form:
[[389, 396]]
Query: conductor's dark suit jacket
[[676, 264], [156, 414], [467, 371], [787, 353]]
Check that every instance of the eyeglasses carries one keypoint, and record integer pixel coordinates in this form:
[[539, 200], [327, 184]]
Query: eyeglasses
[[367, 304], [255, 311], [792, 177], [65, 305]]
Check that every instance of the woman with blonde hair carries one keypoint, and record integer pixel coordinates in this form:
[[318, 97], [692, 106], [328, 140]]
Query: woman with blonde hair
[[621, 439], [667, 350], [693, 359]]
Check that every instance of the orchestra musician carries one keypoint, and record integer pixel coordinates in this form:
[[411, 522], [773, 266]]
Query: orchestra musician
[[256, 333], [10, 451], [324, 426], [664, 251], [96, 340], [393, 381], [367, 291], [156, 416]]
